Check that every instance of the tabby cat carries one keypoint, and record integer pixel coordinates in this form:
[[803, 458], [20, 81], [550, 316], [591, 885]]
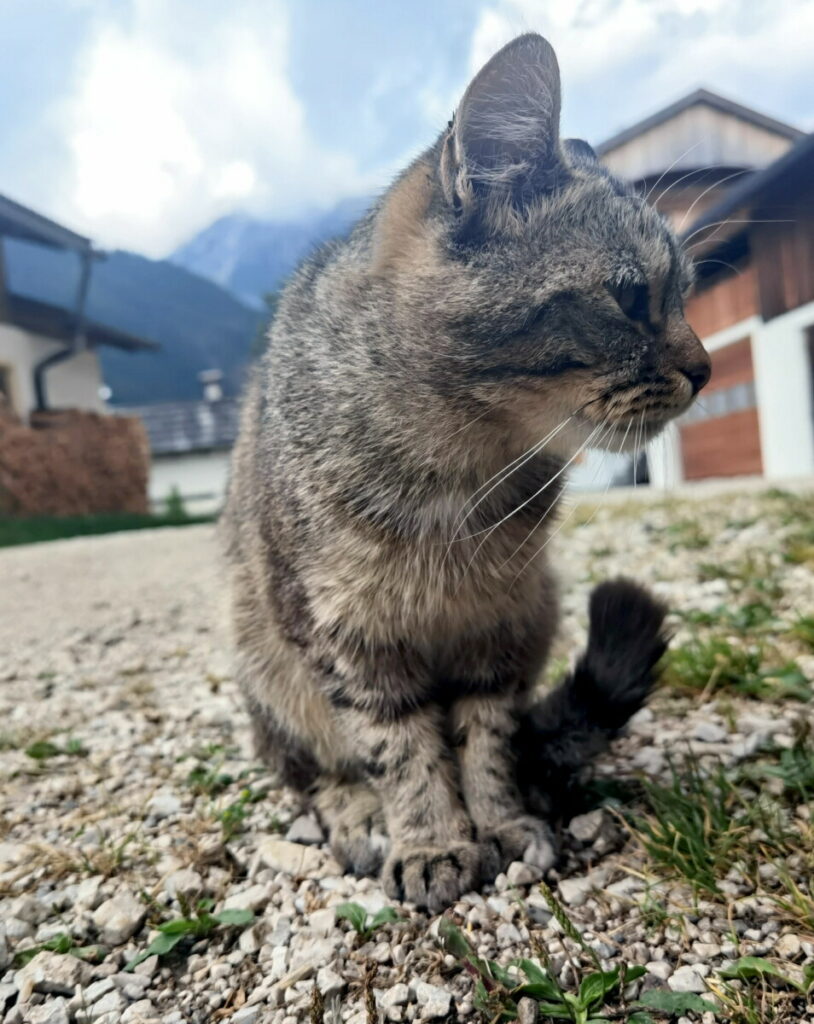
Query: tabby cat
[[402, 451]]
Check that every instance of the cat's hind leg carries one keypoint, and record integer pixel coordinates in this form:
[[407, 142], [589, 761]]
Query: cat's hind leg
[[353, 815]]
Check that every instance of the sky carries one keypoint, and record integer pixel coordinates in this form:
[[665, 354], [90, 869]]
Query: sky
[[138, 122]]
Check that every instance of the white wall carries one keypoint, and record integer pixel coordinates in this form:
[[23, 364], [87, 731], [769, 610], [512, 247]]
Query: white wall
[[784, 393], [200, 478], [72, 384]]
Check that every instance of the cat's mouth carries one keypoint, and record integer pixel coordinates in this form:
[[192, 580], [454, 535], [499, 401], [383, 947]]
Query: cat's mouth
[[624, 418]]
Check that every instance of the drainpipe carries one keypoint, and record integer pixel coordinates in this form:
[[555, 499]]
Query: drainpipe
[[77, 341]]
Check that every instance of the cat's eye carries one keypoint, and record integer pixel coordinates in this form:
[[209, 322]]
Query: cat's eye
[[632, 298]]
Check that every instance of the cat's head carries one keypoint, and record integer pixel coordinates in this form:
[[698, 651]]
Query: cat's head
[[538, 284]]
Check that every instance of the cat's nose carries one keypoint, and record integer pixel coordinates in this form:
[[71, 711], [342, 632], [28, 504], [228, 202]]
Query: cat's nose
[[698, 373]]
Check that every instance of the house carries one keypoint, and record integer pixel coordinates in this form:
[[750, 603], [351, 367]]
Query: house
[[190, 444], [59, 454], [48, 353], [739, 187]]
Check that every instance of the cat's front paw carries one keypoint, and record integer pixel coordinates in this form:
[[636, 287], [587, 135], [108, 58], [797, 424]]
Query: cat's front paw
[[432, 877], [523, 838]]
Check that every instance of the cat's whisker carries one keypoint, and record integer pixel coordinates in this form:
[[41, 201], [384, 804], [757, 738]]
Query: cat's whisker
[[700, 263], [466, 426], [700, 196], [491, 529], [660, 178], [722, 223], [600, 441], [585, 444], [504, 473], [562, 523], [689, 174]]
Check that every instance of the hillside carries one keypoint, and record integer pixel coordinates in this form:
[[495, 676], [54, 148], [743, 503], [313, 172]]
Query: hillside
[[198, 324], [252, 257]]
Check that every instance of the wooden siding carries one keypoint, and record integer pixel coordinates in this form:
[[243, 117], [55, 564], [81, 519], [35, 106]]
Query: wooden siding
[[725, 446], [698, 136], [727, 302], [784, 254], [731, 365]]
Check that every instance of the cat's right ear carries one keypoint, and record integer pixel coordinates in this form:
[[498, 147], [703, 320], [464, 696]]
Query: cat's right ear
[[503, 143]]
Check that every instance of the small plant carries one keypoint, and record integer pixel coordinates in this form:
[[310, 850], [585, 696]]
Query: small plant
[[175, 508], [687, 534], [803, 629], [60, 943], [208, 781], [696, 825], [715, 664], [675, 1004], [200, 926], [232, 816], [498, 989], [364, 923], [43, 749]]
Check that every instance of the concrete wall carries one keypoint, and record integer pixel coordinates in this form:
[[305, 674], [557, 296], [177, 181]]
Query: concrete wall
[[200, 478], [72, 384]]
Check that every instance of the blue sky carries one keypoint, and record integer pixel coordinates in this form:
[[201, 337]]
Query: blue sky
[[140, 121]]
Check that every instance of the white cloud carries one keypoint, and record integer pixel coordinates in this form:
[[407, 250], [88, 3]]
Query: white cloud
[[171, 123], [757, 52]]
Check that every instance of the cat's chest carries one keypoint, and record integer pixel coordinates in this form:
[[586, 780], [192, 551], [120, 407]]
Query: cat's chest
[[434, 586]]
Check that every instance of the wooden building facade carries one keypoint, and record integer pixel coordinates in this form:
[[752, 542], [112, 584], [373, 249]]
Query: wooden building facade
[[747, 218]]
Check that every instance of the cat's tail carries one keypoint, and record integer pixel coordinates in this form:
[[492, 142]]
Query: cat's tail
[[561, 733]]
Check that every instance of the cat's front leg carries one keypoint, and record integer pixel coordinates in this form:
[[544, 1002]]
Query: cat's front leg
[[484, 727], [381, 695], [433, 858]]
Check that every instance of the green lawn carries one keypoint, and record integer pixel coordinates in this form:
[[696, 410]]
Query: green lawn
[[32, 531]]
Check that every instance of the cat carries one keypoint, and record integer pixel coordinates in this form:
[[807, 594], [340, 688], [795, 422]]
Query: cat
[[402, 449]]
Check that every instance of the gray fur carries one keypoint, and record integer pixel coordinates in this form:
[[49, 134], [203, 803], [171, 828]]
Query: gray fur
[[388, 633]]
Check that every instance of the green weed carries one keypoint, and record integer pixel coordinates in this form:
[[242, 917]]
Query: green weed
[[364, 923], [201, 926], [61, 943]]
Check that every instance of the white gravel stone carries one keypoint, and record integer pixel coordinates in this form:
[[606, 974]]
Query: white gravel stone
[[397, 995], [119, 918], [306, 831], [708, 732], [55, 1011], [329, 982], [575, 891], [254, 898], [184, 881], [586, 827], [659, 969], [247, 1015], [433, 1000], [520, 873], [292, 858], [164, 804], [787, 946], [55, 973], [689, 978]]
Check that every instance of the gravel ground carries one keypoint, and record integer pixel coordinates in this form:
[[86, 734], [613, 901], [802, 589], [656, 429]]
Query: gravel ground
[[128, 795]]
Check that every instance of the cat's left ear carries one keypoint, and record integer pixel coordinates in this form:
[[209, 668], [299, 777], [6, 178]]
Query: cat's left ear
[[503, 144]]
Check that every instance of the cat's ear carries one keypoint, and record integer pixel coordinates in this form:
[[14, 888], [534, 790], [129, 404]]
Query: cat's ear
[[503, 143], [578, 151]]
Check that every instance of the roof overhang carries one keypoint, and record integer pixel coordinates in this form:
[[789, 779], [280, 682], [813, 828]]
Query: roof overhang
[[62, 325], [766, 190], [18, 221]]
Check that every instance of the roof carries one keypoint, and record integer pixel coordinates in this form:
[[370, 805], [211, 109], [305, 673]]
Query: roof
[[699, 97], [758, 185], [175, 428], [17, 221], [51, 321]]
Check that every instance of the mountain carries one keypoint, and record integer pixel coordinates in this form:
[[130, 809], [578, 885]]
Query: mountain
[[198, 324], [252, 257]]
